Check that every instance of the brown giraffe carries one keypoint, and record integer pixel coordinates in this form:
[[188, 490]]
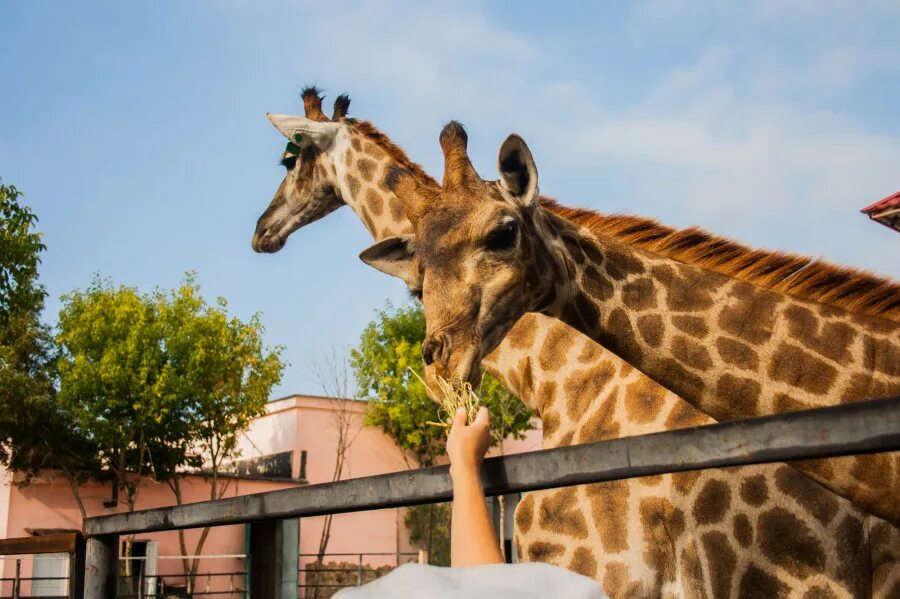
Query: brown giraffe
[[705, 317], [612, 531]]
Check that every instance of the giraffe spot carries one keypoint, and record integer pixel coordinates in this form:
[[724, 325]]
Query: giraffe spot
[[741, 395], [366, 168], [550, 423], [743, 531], [545, 396], [565, 440], [602, 424], [819, 592], [643, 400], [620, 335], [624, 368], [583, 562], [737, 353], [754, 490], [541, 551], [574, 249], [319, 171], [814, 500], [692, 568], [661, 523], [617, 580], [609, 506], [521, 336], [684, 481], [396, 206], [592, 251], [788, 543], [682, 295], [712, 502], [874, 470], [583, 388], [525, 387], [375, 202], [684, 415], [639, 294], [751, 315], [525, 513], [367, 219], [694, 326], [596, 285], [555, 348], [721, 559], [651, 481], [590, 352], [352, 184], [357, 145], [386, 232], [785, 403], [757, 583], [348, 158], [864, 386], [881, 355], [620, 264], [559, 513], [691, 353], [829, 339], [797, 367], [650, 327], [587, 312], [686, 384]]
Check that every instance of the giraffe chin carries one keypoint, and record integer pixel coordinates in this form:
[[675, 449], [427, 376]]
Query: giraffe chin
[[267, 244]]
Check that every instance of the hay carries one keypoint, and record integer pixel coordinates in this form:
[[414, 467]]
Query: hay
[[452, 397]]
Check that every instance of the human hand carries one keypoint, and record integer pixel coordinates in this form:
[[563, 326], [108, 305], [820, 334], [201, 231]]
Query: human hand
[[467, 444]]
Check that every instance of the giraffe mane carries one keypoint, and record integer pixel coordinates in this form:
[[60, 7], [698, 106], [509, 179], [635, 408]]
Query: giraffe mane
[[393, 150], [851, 289]]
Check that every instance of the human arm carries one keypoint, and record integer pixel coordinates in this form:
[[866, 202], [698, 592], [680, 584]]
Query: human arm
[[472, 538]]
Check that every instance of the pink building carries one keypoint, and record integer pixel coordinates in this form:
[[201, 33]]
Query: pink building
[[294, 444]]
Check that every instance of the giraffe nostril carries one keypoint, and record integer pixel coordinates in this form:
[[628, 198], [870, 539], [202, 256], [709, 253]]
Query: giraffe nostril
[[428, 353]]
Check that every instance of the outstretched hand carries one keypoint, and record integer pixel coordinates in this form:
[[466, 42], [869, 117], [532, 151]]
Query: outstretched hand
[[468, 443]]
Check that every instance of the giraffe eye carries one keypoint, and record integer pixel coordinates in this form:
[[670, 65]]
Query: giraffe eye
[[503, 237]]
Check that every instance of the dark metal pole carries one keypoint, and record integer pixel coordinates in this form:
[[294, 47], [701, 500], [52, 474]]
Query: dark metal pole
[[76, 569], [101, 567], [17, 580]]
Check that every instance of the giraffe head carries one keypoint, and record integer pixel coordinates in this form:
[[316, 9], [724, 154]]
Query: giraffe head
[[309, 190], [474, 253]]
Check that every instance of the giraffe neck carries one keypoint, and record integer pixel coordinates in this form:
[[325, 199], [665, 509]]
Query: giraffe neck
[[360, 168], [715, 340]]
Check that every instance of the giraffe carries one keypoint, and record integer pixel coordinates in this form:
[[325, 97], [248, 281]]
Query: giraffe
[[713, 320], [571, 527]]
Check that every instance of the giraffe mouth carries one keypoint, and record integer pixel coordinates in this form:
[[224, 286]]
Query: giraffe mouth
[[267, 243]]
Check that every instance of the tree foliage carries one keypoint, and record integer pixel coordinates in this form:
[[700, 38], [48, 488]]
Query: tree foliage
[[35, 432], [162, 380]]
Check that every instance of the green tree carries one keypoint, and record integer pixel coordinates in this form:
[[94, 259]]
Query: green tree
[[111, 358], [220, 374], [35, 433], [388, 369]]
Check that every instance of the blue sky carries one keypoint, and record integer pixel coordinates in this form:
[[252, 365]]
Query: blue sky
[[137, 130]]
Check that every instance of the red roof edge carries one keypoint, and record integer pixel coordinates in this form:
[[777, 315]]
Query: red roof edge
[[888, 202]]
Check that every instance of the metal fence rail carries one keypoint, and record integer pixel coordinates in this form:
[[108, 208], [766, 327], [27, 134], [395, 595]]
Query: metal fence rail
[[864, 427]]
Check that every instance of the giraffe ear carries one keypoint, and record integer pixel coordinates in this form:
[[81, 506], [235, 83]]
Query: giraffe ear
[[518, 173], [394, 256], [309, 131]]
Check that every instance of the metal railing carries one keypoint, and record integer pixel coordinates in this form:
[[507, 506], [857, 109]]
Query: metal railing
[[71, 544], [858, 428]]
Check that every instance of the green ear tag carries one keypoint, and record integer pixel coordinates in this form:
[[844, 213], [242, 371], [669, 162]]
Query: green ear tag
[[292, 149]]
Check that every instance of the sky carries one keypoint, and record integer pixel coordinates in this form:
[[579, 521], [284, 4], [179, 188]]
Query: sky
[[137, 131]]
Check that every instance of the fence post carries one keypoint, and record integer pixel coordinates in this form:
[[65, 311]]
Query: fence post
[[359, 571], [16, 580], [76, 569], [273, 555], [101, 567]]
